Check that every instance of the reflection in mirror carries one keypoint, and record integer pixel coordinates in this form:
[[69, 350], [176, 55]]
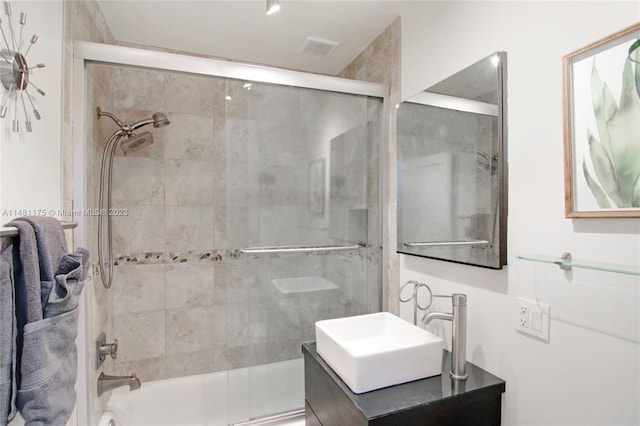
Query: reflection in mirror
[[452, 168]]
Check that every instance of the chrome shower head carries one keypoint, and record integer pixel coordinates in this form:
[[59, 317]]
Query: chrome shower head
[[137, 141], [160, 120]]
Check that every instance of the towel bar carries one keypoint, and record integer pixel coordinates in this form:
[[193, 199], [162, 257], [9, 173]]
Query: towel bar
[[10, 231]]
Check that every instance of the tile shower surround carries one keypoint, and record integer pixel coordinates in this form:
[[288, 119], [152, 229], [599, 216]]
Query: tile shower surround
[[380, 63], [180, 307], [211, 324], [84, 21]]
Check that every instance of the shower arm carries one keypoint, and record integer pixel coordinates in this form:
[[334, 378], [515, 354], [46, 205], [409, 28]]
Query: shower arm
[[111, 116], [125, 128]]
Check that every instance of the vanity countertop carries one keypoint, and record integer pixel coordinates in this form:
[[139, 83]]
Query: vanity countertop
[[428, 397]]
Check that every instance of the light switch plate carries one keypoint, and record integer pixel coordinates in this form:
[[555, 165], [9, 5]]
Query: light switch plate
[[532, 318]]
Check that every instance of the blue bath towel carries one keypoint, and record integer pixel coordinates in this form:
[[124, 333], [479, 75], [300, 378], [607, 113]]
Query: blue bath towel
[[48, 286], [8, 332], [51, 245], [26, 271], [69, 281], [46, 391]]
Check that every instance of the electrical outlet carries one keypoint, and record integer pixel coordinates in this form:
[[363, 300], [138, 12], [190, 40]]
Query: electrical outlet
[[524, 315], [524, 322], [532, 318]]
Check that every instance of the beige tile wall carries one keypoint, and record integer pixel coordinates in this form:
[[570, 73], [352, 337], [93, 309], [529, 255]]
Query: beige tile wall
[[380, 63], [84, 21]]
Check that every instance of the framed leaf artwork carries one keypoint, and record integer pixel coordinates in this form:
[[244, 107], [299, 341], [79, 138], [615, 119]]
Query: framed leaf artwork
[[602, 128]]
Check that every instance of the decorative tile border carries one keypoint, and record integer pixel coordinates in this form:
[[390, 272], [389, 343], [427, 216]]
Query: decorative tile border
[[145, 258], [370, 254]]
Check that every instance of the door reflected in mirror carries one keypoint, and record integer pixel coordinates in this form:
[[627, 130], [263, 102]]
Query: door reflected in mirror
[[452, 168]]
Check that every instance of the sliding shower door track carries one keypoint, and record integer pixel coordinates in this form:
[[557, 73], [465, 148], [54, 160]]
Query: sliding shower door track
[[276, 420]]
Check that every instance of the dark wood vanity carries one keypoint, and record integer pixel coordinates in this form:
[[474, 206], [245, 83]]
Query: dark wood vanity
[[436, 400]]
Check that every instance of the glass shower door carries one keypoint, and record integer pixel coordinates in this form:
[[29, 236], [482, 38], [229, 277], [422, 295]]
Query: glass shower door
[[302, 195], [253, 215]]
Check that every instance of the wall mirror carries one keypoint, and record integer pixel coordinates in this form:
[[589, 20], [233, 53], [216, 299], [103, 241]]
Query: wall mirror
[[452, 168]]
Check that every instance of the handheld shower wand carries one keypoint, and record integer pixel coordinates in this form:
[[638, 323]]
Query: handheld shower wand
[[133, 143]]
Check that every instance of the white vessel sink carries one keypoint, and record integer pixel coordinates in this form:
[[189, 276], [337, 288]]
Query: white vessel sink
[[374, 351]]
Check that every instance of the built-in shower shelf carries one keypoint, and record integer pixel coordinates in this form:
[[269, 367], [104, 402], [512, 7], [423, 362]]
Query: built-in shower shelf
[[303, 285], [566, 262]]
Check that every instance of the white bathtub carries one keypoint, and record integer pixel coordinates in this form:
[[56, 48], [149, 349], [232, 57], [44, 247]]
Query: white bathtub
[[212, 399]]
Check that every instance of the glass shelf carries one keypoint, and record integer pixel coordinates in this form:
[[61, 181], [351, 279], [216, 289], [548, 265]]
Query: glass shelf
[[566, 263]]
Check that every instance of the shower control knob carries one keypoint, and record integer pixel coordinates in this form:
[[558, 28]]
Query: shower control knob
[[110, 349], [104, 349]]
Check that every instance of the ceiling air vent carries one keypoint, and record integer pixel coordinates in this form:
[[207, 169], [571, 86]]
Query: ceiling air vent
[[319, 47]]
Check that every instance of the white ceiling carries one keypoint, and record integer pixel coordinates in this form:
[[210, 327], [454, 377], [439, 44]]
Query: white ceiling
[[241, 30]]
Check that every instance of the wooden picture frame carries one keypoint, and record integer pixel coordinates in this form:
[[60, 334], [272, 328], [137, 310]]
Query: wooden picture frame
[[602, 129]]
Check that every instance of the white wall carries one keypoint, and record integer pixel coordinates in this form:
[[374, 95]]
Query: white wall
[[589, 372], [30, 163]]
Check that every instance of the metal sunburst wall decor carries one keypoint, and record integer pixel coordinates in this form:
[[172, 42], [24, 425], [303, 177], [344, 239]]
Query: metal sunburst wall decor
[[14, 72]]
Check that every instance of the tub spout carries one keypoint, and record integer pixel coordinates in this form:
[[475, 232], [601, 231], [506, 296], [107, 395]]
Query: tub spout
[[107, 383]]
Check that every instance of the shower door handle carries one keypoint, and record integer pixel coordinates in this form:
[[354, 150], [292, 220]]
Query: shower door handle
[[300, 249], [448, 243]]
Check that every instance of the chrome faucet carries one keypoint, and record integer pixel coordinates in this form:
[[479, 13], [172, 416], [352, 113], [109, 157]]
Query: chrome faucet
[[458, 320], [107, 383]]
